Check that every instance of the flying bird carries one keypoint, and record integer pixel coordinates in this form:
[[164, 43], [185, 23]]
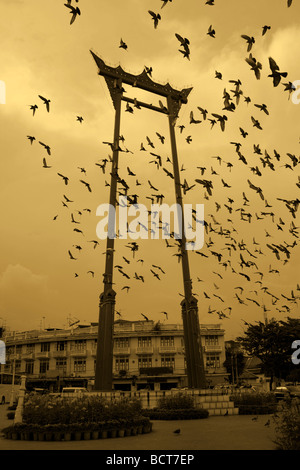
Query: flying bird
[[165, 2], [276, 74], [87, 185], [46, 101], [65, 178], [265, 29], [250, 41], [31, 138], [46, 147], [211, 32], [71, 256], [123, 45], [255, 66], [155, 17], [34, 107], [74, 11], [45, 164]]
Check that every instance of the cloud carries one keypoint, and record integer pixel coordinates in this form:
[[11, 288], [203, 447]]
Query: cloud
[[25, 297]]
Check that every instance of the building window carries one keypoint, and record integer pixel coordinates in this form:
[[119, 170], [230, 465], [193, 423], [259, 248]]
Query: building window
[[79, 365], [44, 366], [145, 361], [168, 361], [122, 363], [61, 365], [212, 340], [29, 366], [167, 341], [212, 360], [29, 348], [79, 345], [61, 345], [144, 341], [45, 347], [8, 367], [17, 366], [121, 343], [19, 349]]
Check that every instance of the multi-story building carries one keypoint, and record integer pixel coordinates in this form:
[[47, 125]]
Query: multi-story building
[[145, 355]]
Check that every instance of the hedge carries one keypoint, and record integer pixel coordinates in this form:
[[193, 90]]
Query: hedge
[[166, 414]]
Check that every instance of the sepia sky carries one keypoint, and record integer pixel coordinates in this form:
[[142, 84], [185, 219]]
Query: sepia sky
[[257, 238]]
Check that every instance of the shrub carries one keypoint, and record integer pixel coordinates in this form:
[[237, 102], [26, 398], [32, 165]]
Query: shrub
[[254, 403], [112, 424], [288, 427], [180, 401], [10, 415], [53, 410], [166, 414]]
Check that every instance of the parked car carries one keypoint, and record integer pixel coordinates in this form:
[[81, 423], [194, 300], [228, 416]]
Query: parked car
[[41, 391], [290, 391], [294, 391], [73, 391]]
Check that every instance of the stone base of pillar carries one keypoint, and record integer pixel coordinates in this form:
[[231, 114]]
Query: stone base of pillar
[[104, 357], [193, 346]]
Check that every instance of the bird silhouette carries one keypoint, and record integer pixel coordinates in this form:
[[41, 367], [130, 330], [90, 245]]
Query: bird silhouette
[[211, 32], [255, 66], [123, 45], [65, 178], [31, 138], [74, 12], [45, 164], [33, 107], [46, 102], [250, 41], [156, 17], [276, 74]]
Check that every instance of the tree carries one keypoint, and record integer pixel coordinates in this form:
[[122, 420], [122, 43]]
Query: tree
[[271, 342], [234, 362]]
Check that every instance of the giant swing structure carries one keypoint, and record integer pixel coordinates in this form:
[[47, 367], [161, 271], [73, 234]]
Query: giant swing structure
[[115, 78]]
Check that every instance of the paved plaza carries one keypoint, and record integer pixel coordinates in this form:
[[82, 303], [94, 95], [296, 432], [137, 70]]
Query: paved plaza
[[214, 433]]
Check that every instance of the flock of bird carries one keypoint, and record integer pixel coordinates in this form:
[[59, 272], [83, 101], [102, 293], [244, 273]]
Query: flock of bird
[[224, 250]]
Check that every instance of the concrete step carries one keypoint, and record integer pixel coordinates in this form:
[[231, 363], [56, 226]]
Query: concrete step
[[222, 411]]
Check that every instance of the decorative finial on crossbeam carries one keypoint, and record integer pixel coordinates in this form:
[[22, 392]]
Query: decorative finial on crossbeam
[[114, 76]]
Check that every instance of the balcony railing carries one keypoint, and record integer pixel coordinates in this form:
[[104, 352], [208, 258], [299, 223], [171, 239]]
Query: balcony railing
[[144, 350], [167, 349], [43, 354], [212, 348], [120, 351], [58, 353], [78, 352]]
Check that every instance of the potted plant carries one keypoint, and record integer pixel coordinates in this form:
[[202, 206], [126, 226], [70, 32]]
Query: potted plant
[[57, 432], [87, 431], [67, 434], [103, 432], [94, 427], [122, 426], [113, 428]]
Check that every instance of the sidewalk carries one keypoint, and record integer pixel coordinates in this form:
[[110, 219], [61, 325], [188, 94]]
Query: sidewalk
[[214, 433]]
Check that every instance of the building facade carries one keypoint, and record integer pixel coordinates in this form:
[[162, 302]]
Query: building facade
[[145, 355]]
